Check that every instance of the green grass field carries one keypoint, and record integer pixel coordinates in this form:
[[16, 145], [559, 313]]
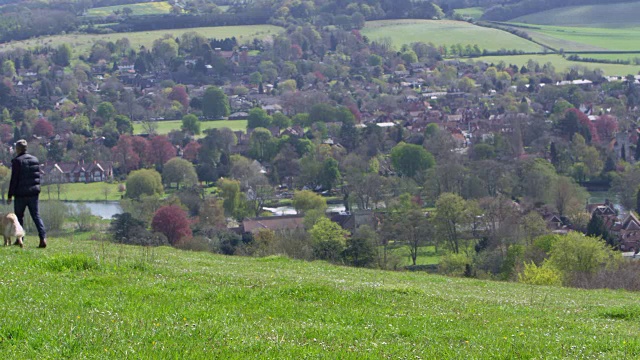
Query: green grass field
[[561, 64], [81, 43], [586, 39], [445, 32], [145, 8], [81, 192], [472, 12], [602, 15], [426, 255], [91, 299], [164, 127]]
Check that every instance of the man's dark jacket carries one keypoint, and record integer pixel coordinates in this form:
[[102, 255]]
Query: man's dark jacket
[[25, 176]]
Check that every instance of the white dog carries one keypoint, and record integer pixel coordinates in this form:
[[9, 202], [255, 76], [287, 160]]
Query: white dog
[[10, 227]]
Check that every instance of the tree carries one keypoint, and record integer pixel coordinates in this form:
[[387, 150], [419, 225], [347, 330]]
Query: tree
[[306, 200], [329, 240], [106, 111], [179, 171], [215, 103], [361, 248], [179, 93], [230, 192], [191, 124], [43, 128], [258, 118], [124, 227], [261, 144], [165, 49], [407, 224], [329, 174], [410, 159], [280, 120], [160, 150], [453, 216], [143, 182], [596, 228], [171, 221], [62, 56], [576, 254]]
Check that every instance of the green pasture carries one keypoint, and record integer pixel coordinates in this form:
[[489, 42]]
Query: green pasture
[[144, 8], [83, 298], [561, 64], [586, 38], [164, 127], [445, 32], [472, 12], [426, 255], [97, 191], [602, 15], [612, 57], [81, 43]]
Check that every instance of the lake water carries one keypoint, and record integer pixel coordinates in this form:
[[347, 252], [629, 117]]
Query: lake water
[[105, 210]]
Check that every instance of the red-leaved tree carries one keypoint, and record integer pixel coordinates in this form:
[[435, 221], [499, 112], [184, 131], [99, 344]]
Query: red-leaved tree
[[161, 150], [125, 155], [607, 127], [43, 127], [190, 151], [6, 133], [179, 94], [142, 147], [171, 221]]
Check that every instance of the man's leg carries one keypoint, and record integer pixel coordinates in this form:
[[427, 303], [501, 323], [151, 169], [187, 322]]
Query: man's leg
[[35, 215]]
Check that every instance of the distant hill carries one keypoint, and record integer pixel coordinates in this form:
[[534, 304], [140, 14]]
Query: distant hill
[[604, 15]]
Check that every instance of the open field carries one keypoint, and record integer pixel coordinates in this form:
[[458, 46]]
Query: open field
[[81, 43], [445, 32], [625, 57], [602, 15], [426, 255], [472, 12], [586, 39], [90, 299], [561, 64], [143, 8], [81, 192], [164, 127]]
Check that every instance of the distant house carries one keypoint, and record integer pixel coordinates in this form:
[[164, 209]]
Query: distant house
[[78, 172], [274, 223], [628, 233]]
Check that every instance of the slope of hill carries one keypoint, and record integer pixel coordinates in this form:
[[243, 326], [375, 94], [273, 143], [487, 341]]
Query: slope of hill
[[143, 8], [586, 38], [604, 15], [92, 299], [445, 32]]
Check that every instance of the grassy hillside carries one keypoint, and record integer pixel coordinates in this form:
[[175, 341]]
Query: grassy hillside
[[445, 32], [81, 43], [146, 8], [90, 299], [164, 127], [603, 15], [561, 64], [586, 38]]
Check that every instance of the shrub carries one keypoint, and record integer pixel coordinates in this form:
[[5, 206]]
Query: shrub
[[454, 264], [53, 214], [540, 275], [578, 254], [85, 220]]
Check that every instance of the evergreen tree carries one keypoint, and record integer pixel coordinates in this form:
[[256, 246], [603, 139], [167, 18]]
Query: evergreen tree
[[637, 154], [596, 228], [638, 201], [623, 153], [553, 153]]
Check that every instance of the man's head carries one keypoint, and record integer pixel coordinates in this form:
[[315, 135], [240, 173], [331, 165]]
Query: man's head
[[21, 146]]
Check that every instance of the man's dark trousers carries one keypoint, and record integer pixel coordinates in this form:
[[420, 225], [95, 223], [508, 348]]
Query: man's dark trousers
[[31, 202]]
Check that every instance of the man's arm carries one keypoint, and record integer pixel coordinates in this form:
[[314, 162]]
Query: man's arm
[[13, 185]]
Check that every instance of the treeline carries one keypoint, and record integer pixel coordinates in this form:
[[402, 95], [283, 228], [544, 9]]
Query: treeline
[[28, 23], [575, 57], [159, 22], [511, 11]]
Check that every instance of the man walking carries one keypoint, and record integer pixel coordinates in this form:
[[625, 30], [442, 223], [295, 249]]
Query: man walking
[[25, 187]]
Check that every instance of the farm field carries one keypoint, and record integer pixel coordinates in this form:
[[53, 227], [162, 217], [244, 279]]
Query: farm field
[[143, 8], [621, 15], [613, 56], [82, 298], [586, 39], [445, 32], [561, 64], [472, 12], [164, 127], [81, 43]]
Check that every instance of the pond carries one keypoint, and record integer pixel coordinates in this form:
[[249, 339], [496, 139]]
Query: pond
[[104, 209]]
